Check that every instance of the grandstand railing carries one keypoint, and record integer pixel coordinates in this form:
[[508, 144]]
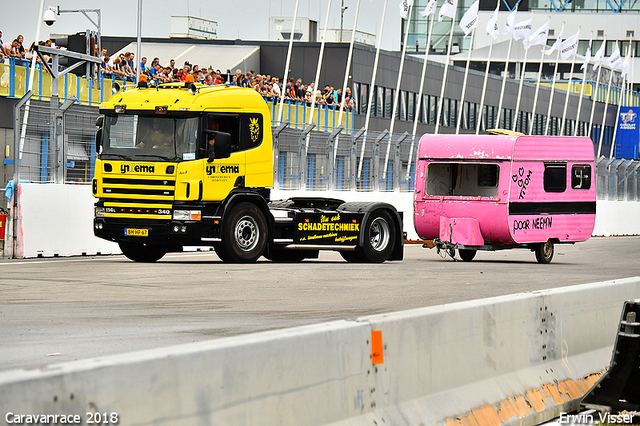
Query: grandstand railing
[[14, 81]]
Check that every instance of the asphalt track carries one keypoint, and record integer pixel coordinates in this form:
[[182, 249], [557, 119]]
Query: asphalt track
[[55, 310]]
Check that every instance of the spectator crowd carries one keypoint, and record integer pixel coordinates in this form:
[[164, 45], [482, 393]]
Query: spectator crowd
[[269, 87], [123, 66]]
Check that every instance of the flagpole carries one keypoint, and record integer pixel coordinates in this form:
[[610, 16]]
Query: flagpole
[[584, 79], [286, 67], [316, 81], [464, 84], [575, 129], [420, 92], [486, 71], [524, 68], [553, 88], [615, 126], [346, 80], [506, 70], [566, 98], [372, 89], [535, 97], [504, 82], [484, 88], [444, 77], [396, 94], [604, 113], [620, 99], [594, 98], [593, 102]]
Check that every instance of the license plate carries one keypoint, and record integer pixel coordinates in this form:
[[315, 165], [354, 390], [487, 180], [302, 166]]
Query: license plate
[[134, 232]]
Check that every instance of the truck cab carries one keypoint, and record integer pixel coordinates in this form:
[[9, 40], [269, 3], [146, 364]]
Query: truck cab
[[188, 165]]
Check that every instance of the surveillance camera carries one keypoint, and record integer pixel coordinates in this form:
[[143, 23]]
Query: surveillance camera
[[49, 17]]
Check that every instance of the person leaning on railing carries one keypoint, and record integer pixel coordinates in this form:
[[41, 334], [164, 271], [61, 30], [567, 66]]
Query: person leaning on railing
[[105, 68]]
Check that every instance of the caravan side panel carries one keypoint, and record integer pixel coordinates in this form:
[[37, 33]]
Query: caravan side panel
[[552, 190]]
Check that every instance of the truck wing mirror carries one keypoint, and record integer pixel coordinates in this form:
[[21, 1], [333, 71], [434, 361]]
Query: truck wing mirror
[[221, 147], [99, 125]]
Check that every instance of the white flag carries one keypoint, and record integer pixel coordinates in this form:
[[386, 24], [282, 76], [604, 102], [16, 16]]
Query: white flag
[[539, 37], [430, 9], [626, 64], [404, 8], [448, 8], [511, 23], [615, 60], [470, 19], [492, 25], [587, 55], [522, 30], [599, 56], [569, 46], [557, 44]]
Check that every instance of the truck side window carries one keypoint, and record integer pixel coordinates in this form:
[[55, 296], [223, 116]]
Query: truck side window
[[555, 177], [228, 123], [581, 176]]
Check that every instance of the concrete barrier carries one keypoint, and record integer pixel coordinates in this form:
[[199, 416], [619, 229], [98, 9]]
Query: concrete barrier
[[617, 218], [518, 359], [57, 220]]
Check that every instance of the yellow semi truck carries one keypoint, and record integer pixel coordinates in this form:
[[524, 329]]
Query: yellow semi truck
[[189, 165]]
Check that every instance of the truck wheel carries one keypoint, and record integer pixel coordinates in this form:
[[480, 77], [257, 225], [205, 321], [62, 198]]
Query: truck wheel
[[379, 237], [467, 255], [244, 234], [544, 252], [141, 252], [221, 252]]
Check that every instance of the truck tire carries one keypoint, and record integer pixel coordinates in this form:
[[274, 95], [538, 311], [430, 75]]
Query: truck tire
[[141, 252], [544, 252], [467, 255], [221, 253], [244, 234], [379, 237]]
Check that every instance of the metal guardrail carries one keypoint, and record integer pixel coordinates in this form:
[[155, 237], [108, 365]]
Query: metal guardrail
[[328, 161], [617, 179]]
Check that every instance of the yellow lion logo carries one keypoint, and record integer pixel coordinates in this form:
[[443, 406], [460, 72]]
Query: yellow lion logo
[[254, 129]]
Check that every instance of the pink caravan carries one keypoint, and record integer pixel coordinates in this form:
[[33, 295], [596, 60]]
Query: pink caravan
[[492, 192]]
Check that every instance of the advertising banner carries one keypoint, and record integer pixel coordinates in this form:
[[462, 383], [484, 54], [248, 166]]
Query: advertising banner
[[628, 134]]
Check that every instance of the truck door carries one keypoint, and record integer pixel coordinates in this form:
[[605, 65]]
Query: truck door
[[221, 175]]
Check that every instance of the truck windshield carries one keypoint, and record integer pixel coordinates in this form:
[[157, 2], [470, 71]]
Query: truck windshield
[[140, 138]]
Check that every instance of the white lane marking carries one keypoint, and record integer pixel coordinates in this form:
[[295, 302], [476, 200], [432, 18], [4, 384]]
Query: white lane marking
[[105, 257]]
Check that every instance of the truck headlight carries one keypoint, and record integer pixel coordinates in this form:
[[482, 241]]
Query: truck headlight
[[187, 215], [98, 211]]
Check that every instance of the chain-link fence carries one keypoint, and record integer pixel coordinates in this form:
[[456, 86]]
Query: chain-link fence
[[320, 161], [56, 142], [58, 145], [618, 179]]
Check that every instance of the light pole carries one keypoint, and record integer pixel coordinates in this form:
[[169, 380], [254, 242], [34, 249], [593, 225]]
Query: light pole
[[342, 9], [58, 110], [98, 25]]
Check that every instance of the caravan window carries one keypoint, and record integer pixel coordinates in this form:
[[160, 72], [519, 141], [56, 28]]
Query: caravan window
[[462, 179], [581, 176], [555, 177]]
